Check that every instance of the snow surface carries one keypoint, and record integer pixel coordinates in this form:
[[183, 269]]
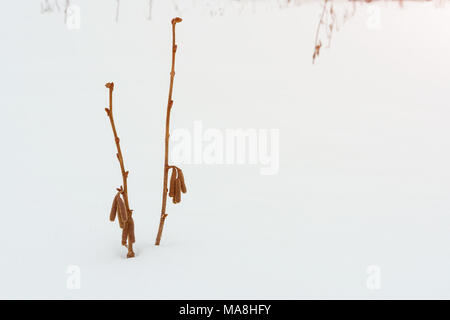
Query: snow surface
[[364, 154]]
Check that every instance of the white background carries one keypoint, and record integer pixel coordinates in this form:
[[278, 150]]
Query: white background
[[364, 153]]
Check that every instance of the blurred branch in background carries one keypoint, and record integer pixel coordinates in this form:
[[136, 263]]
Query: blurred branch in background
[[150, 6], [332, 15], [220, 7], [117, 10]]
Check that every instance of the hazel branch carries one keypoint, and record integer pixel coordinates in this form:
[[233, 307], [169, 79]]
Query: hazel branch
[[176, 185], [120, 202]]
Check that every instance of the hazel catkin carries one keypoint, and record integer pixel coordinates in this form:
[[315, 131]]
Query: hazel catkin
[[130, 229], [125, 235], [177, 197], [181, 177], [172, 182], [112, 214], [122, 211]]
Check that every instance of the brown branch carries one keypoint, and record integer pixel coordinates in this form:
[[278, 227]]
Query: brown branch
[[317, 42], [166, 145], [123, 190]]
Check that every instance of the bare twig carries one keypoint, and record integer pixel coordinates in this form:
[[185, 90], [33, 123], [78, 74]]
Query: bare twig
[[317, 42]]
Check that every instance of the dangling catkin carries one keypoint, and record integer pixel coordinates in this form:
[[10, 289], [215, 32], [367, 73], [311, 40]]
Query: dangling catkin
[[112, 215], [172, 182], [125, 235], [122, 212], [121, 222], [177, 185], [130, 228], [181, 177], [177, 197]]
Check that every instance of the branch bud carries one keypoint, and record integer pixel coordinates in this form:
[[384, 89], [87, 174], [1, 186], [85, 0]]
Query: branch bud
[[176, 20]]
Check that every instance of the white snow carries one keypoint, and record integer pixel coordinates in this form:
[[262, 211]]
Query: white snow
[[364, 153]]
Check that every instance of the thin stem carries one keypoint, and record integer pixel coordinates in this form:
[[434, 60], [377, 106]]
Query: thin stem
[[317, 43], [117, 10], [124, 191], [166, 144]]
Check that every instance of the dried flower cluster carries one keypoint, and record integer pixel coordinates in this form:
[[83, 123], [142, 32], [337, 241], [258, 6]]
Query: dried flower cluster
[[177, 184], [119, 209]]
